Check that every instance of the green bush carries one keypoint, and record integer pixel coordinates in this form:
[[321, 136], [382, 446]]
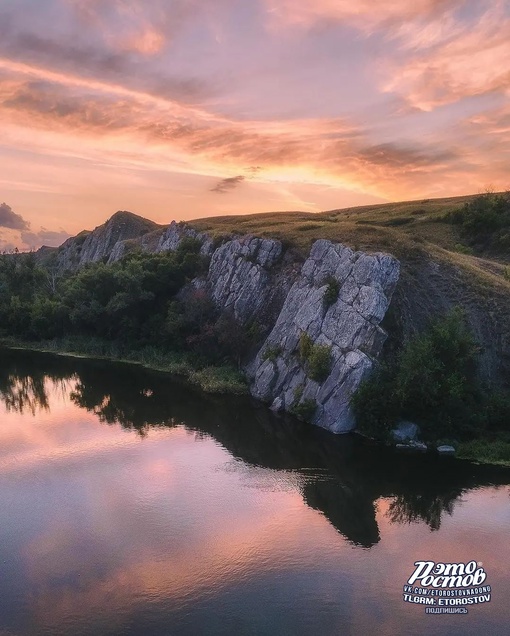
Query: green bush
[[331, 294], [132, 303], [432, 382], [374, 404], [319, 362], [309, 226], [305, 346], [271, 353], [401, 220], [304, 410], [315, 357], [493, 451], [298, 393], [485, 220], [463, 249]]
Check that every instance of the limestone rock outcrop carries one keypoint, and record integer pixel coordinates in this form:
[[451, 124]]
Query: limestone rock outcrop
[[175, 232], [362, 286], [105, 243], [243, 279]]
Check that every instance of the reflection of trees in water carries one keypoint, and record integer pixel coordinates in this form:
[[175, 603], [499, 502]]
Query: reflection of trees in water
[[114, 395], [124, 396], [24, 394], [427, 507], [341, 476], [24, 389]]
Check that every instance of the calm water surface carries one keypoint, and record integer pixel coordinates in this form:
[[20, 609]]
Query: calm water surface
[[133, 505]]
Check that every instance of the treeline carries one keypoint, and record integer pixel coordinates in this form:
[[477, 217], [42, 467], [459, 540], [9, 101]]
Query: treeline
[[134, 302]]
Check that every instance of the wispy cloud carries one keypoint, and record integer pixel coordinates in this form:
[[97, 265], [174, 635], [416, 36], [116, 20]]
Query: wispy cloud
[[470, 58], [365, 99], [114, 41], [331, 152], [366, 15], [228, 184]]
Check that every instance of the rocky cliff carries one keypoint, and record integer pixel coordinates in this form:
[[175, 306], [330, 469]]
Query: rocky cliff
[[337, 304], [253, 279], [249, 278], [334, 302]]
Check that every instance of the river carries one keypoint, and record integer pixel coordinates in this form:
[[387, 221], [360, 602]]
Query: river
[[132, 504]]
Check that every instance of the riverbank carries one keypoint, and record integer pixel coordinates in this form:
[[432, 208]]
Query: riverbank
[[492, 450], [211, 379]]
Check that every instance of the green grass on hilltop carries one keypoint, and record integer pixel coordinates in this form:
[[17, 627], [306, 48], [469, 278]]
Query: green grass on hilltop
[[402, 228], [411, 230]]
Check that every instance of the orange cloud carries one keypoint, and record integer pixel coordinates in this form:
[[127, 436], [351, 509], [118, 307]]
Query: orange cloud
[[103, 99]]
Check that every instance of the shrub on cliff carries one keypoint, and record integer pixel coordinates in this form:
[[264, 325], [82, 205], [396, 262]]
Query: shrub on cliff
[[304, 410], [319, 363], [316, 358], [331, 294], [305, 346]]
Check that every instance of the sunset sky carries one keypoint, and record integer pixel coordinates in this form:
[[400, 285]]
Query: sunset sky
[[177, 109]]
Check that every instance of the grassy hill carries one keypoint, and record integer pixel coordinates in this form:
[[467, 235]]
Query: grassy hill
[[407, 229]]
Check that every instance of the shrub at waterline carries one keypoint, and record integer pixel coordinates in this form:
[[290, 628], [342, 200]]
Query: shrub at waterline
[[432, 382]]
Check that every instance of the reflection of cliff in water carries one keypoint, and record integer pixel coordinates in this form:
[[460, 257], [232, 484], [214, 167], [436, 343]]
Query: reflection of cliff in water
[[342, 477]]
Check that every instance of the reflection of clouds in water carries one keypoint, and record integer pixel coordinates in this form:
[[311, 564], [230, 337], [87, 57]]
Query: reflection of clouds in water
[[219, 513], [156, 556]]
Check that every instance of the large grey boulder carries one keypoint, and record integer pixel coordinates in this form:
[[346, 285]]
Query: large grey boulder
[[406, 432], [349, 326], [445, 449]]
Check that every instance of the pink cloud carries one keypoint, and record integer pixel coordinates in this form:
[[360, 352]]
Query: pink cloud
[[156, 133], [443, 66], [363, 14]]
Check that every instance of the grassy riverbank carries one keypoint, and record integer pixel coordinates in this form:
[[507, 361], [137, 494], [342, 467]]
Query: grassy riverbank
[[492, 450], [211, 379]]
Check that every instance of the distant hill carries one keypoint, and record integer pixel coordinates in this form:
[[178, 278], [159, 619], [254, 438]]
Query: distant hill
[[98, 244]]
